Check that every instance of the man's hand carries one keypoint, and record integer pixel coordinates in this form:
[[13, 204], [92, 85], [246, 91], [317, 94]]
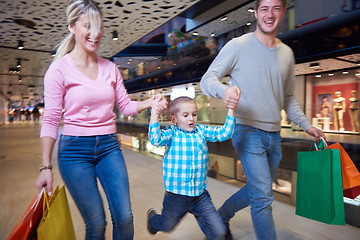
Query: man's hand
[[231, 97], [316, 133]]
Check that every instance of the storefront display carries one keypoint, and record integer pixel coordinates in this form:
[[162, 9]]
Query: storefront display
[[282, 181], [335, 105], [354, 111]]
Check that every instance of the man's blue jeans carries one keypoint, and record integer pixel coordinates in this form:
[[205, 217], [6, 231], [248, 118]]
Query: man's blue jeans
[[176, 206], [260, 155], [83, 160]]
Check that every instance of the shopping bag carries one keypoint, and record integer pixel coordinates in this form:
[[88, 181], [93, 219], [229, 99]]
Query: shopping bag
[[319, 194], [352, 192], [350, 173], [27, 226], [56, 223]]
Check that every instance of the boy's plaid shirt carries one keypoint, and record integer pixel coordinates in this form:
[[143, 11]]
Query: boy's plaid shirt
[[185, 162]]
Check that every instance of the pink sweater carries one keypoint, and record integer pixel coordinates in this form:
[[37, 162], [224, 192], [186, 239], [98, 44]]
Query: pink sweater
[[86, 104]]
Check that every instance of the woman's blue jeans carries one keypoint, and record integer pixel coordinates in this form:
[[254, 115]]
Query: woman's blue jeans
[[260, 155], [176, 206], [83, 160]]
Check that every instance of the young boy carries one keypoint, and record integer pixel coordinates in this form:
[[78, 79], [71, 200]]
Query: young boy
[[185, 166]]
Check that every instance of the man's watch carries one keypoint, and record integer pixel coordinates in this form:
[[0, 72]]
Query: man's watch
[[43, 167]]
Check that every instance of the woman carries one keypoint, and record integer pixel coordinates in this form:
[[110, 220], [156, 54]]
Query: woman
[[83, 87]]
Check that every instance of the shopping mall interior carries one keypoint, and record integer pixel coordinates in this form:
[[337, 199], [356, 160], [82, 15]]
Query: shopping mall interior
[[165, 47]]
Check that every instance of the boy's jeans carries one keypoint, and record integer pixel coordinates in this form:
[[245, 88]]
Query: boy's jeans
[[81, 161], [260, 155], [176, 206]]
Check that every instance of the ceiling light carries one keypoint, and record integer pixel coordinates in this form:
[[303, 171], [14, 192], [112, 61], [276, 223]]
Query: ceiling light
[[18, 63], [19, 79], [318, 76], [20, 44], [53, 53], [248, 23], [115, 35], [212, 35], [314, 65], [224, 18], [345, 72], [195, 33], [14, 70], [251, 10], [331, 74]]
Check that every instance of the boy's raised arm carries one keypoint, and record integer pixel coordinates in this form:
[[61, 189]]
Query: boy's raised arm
[[157, 106]]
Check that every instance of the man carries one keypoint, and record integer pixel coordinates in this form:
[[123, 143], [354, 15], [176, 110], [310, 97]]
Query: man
[[263, 68]]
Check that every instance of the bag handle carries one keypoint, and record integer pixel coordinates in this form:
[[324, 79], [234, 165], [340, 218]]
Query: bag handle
[[316, 145], [324, 141], [46, 204]]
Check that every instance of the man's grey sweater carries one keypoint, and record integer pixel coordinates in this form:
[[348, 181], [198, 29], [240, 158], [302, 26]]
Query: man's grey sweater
[[265, 77]]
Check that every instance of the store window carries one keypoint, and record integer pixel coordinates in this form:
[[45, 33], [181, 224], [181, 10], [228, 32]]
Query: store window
[[282, 182], [221, 167], [335, 101]]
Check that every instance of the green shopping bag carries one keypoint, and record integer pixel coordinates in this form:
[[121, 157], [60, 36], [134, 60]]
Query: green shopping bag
[[319, 194]]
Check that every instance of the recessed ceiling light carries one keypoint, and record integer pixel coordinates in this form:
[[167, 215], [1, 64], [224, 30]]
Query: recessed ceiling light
[[224, 18], [18, 63], [251, 10], [314, 65], [331, 74], [20, 44], [345, 72], [115, 36], [318, 76]]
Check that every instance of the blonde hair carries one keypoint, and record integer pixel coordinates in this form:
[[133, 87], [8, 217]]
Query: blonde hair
[[174, 105], [75, 9]]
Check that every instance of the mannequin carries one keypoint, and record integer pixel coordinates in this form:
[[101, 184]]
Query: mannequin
[[325, 108], [339, 108], [354, 111]]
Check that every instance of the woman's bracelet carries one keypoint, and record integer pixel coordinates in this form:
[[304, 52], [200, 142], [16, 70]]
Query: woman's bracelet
[[43, 167]]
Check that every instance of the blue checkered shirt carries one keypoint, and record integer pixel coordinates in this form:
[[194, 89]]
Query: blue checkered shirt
[[185, 162]]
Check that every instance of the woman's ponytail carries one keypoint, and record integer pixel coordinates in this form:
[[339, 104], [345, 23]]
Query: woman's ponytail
[[66, 46]]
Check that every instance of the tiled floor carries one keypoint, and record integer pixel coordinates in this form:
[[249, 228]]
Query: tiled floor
[[20, 156]]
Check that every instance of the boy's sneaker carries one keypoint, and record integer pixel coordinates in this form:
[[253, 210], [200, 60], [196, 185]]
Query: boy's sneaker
[[150, 213], [228, 235]]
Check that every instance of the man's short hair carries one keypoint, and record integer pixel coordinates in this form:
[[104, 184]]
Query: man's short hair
[[174, 105], [257, 3]]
